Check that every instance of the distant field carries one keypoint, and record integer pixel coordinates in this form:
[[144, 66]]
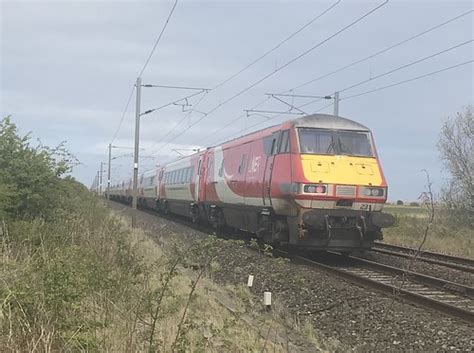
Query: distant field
[[447, 234], [413, 211]]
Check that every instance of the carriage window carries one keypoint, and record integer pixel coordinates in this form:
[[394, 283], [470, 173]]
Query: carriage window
[[267, 145], [184, 178], [285, 142], [186, 175], [275, 142], [190, 175]]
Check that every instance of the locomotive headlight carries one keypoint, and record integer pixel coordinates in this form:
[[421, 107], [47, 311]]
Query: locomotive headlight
[[377, 192], [315, 189]]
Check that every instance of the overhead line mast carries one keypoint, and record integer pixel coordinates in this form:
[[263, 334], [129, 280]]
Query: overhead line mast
[[137, 110]]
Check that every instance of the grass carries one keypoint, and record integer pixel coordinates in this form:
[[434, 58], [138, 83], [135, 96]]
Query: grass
[[450, 233], [88, 282], [402, 210]]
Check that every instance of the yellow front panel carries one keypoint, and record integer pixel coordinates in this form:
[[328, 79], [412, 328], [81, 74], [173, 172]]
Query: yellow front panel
[[341, 170]]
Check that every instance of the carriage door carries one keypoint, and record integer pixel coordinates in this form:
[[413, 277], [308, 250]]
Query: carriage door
[[270, 144], [158, 185], [197, 180]]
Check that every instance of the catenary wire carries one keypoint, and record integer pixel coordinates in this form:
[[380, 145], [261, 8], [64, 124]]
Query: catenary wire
[[158, 39], [408, 80], [123, 115], [266, 121], [306, 25], [175, 126], [144, 67], [405, 66], [237, 118], [280, 68], [396, 69], [382, 51]]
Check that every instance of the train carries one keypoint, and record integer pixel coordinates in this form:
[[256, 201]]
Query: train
[[314, 182]]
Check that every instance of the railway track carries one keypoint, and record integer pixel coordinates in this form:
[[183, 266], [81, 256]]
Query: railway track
[[451, 298], [458, 263]]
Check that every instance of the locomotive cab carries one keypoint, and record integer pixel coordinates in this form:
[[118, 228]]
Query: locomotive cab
[[340, 188]]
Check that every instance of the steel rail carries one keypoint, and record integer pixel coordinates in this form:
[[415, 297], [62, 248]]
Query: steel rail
[[459, 263], [420, 289]]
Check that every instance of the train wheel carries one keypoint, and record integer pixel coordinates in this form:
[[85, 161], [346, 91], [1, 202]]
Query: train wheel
[[195, 217], [165, 208], [216, 218]]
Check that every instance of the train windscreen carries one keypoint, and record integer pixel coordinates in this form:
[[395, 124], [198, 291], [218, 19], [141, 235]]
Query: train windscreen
[[349, 143]]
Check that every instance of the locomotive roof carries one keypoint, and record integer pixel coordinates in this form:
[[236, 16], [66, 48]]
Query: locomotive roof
[[320, 121], [326, 121]]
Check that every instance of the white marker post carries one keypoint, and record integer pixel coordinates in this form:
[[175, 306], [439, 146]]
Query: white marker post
[[267, 300], [250, 281]]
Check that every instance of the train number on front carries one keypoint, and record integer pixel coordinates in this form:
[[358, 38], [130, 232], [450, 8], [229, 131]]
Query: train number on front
[[366, 207]]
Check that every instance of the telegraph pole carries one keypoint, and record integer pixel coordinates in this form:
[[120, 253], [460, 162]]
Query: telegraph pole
[[108, 170], [336, 103], [137, 144]]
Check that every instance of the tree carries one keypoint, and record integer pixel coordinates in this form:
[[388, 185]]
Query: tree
[[399, 203], [456, 146]]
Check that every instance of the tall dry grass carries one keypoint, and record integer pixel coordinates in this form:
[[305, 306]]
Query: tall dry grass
[[451, 233]]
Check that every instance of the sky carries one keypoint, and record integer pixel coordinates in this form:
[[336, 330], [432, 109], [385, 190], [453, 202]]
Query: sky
[[68, 69]]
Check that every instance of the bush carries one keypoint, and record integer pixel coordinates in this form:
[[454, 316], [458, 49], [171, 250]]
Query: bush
[[30, 177]]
